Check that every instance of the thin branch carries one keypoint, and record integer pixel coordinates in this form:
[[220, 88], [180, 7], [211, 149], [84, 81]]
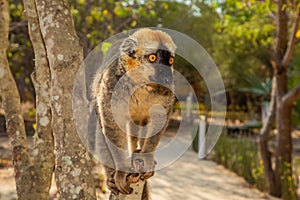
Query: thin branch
[[121, 26], [85, 40], [17, 25], [264, 137], [292, 96], [292, 42], [271, 115], [272, 15]]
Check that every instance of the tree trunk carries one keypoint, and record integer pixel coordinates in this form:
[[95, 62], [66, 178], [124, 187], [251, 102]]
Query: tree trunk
[[65, 55], [283, 169], [282, 55], [32, 181], [13, 113], [44, 143]]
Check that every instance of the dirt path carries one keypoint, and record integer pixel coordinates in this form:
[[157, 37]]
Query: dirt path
[[191, 179], [187, 178], [7, 184]]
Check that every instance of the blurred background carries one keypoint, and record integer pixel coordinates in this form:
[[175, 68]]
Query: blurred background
[[240, 36]]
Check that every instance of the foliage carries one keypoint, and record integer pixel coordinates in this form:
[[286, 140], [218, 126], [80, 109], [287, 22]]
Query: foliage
[[257, 86], [98, 20], [95, 21], [197, 19], [289, 183], [294, 79], [242, 157], [242, 44], [20, 54]]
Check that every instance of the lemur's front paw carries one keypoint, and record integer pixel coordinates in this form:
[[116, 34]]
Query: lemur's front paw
[[147, 175], [111, 185], [119, 183], [133, 177], [143, 163]]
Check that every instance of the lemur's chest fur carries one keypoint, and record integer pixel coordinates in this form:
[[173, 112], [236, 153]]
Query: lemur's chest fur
[[145, 97]]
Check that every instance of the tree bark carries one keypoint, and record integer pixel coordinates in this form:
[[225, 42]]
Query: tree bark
[[283, 52], [65, 55], [13, 113], [282, 33], [283, 169], [290, 98], [44, 142]]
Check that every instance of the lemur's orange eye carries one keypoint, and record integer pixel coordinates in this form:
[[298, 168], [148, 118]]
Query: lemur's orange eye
[[152, 57], [171, 61]]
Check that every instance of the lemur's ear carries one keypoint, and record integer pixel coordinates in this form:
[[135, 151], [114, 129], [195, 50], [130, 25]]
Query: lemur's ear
[[128, 46]]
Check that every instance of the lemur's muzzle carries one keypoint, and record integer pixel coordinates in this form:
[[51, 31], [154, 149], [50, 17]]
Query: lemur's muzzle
[[163, 75]]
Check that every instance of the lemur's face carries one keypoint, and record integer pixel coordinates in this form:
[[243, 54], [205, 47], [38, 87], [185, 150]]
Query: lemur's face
[[150, 55]]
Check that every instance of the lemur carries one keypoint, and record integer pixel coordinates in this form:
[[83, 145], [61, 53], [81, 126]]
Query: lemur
[[144, 65]]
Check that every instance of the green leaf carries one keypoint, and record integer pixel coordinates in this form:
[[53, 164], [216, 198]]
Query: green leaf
[[133, 23], [165, 5], [81, 2], [256, 91], [153, 13], [74, 12], [105, 47], [122, 11]]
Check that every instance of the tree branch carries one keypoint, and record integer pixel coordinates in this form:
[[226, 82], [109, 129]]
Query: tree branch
[[264, 137], [271, 115], [13, 112], [282, 32], [44, 142], [291, 96], [65, 56], [17, 25], [292, 42], [85, 40], [121, 26]]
